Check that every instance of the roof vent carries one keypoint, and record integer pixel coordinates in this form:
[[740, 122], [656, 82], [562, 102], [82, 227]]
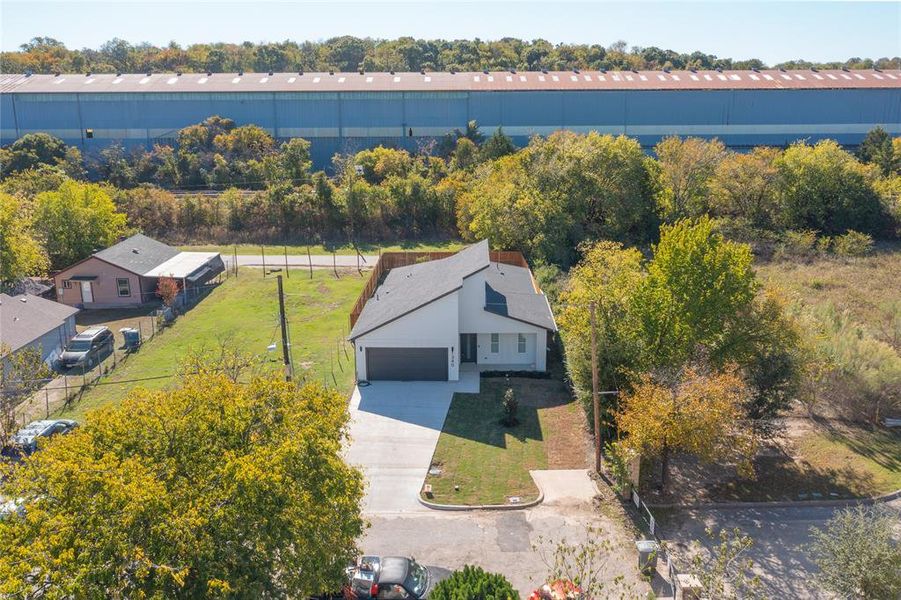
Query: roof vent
[[877, 69], [782, 69], [845, 69], [576, 71], [331, 72], [693, 70], [240, 73], [88, 74], [209, 73], [29, 73], [513, 71], [719, 69], [453, 72], [603, 70], [361, 71], [392, 72], [422, 71], [485, 71], [178, 73], [57, 74], [270, 73], [544, 71], [300, 72], [118, 73], [755, 69], [666, 69], [149, 73]]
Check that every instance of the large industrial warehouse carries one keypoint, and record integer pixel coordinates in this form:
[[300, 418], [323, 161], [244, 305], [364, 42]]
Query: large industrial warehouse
[[346, 112]]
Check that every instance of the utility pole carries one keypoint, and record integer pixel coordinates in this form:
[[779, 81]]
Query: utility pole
[[284, 325], [596, 404], [287, 272], [235, 255], [310, 262], [263, 254]]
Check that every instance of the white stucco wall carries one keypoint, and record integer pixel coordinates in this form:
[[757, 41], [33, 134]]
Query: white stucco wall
[[435, 325]]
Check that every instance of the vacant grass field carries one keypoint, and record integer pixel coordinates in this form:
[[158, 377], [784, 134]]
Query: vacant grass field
[[276, 249], [244, 312], [490, 462]]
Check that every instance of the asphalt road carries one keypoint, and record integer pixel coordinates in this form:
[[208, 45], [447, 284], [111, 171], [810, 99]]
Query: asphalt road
[[780, 535]]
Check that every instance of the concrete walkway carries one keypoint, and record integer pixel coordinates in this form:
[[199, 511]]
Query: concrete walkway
[[394, 429]]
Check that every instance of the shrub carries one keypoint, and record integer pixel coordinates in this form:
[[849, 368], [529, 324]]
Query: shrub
[[852, 243], [798, 243], [473, 583], [511, 407]]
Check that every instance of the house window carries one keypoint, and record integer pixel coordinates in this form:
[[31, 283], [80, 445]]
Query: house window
[[521, 344], [495, 343], [67, 284], [124, 286]]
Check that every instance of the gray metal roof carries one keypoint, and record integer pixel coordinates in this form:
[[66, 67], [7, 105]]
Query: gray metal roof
[[138, 254], [510, 292], [25, 318], [443, 81], [406, 289]]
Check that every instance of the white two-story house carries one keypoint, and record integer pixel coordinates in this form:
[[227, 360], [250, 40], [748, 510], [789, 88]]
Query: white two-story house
[[426, 319]]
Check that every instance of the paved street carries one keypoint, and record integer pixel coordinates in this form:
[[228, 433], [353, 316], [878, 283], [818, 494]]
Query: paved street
[[394, 428], [779, 535], [502, 541]]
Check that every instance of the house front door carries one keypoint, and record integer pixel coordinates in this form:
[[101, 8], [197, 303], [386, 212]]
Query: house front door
[[87, 293], [468, 347]]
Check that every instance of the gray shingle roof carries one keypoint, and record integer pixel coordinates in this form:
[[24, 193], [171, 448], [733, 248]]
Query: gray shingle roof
[[408, 288], [23, 322], [509, 290], [138, 254]]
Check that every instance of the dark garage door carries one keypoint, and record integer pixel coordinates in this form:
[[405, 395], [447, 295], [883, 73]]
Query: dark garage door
[[406, 364]]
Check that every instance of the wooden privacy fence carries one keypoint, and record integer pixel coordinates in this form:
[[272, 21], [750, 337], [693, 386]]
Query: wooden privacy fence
[[392, 260]]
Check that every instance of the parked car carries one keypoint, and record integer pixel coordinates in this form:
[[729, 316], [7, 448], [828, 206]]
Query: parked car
[[25, 441], [84, 349], [392, 578]]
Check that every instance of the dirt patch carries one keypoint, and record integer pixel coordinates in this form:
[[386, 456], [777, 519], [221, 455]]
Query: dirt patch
[[323, 289]]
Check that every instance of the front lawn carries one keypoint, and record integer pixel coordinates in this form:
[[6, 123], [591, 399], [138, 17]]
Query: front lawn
[[243, 312], [345, 249], [490, 462]]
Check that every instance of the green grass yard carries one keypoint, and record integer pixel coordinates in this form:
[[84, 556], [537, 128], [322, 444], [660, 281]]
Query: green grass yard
[[244, 312], [346, 249], [490, 462]]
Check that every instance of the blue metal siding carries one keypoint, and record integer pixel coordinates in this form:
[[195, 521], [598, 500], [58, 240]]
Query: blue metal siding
[[349, 121]]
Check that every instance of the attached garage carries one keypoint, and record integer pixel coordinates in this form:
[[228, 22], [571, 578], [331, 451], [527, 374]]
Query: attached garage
[[406, 364]]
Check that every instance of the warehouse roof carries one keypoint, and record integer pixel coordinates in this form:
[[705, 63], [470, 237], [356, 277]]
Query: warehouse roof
[[444, 81]]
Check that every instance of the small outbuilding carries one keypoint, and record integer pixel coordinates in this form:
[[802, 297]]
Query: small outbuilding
[[127, 274], [28, 321], [427, 319]]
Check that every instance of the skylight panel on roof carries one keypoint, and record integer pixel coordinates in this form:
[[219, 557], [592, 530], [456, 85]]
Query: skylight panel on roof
[[831, 76], [573, 78], [586, 77], [91, 80], [601, 78], [172, 80], [555, 78], [708, 77], [509, 78], [675, 77], [767, 76], [292, 79], [342, 79], [427, 79], [317, 79], [661, 77], [799, 76], [642, 77], [877, 75], [117, 81], [845, 76], [369, 80], [202, 80], [628, 77], [721, 77], [396, 79], [786, 76], [522, 78], [858, 75], [236, 80], [476, 78], [734, 77], [491, 78], [817, 76], [754, 77], [143, 81], [541, 78], [890, 76], [59, 81], [616, 77]]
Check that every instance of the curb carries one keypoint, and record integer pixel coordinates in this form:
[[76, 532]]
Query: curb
[[472, 507], [783, 504]]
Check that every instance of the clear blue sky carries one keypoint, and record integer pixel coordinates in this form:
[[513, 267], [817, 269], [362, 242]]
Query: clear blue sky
[[771, 31]]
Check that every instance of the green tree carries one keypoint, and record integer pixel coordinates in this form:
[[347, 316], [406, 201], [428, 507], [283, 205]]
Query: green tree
[[212, 488], [877, 148], [857, 554], [32, 150], [473, 583], [21, 255], [824, 188], [745, 187], [499, 144], [685, 168], [75, 221], [698, 288]]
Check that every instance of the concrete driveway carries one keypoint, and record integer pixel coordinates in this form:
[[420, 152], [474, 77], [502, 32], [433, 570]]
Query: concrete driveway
[[394, 428]]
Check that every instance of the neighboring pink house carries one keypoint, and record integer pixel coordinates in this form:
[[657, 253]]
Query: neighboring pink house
[[126, 275]]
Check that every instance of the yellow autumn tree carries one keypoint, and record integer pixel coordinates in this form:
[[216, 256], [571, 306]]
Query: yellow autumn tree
[[695, 412]]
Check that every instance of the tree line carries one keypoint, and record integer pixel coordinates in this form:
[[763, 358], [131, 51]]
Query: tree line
[[348, 53]]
